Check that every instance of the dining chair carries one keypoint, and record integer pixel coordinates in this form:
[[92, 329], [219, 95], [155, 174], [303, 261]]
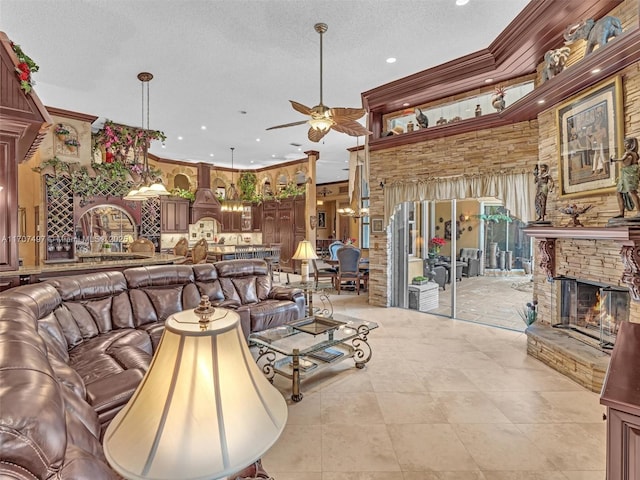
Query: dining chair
[[320, 273], [273, 260], [142, 245], [349, 267], [181, 249], [333, 249], [199, 251]]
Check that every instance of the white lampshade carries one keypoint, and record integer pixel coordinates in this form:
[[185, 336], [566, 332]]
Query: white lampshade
[[305, 251], [322, 124], [204, 409], [158, 189]]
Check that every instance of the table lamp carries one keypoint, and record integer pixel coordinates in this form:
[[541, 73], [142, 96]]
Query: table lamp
[[204, 410], [304, 252]]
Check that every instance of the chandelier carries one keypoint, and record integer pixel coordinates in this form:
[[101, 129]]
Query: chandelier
[[232, 202], [355, 214], [148, 187]]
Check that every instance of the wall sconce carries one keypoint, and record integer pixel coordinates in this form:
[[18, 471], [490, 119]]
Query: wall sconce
[[464, 217], [382, 184]]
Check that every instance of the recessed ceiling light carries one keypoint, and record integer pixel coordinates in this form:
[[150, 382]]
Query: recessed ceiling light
[[596, 70], [203, 127], [179, 138], [461, 2], [488, 80], [541, 101], [257, 139], [391, 60], [273, 156], [211, 155], [251, 161], [299, 149], [163, 145]]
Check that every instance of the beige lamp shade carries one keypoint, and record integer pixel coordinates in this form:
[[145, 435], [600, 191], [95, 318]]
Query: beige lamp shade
[[305, 251], [204, 409]]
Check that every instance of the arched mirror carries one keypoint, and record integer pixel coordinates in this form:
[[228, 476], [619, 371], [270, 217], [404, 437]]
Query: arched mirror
[[102, 225]]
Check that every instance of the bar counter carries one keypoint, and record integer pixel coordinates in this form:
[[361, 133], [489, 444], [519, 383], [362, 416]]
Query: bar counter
[[87, 264]]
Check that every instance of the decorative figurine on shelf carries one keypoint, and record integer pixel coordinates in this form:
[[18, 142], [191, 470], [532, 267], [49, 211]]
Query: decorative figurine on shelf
[[594, 32], [421, 118], [497, 99], [478, 110], [554, 62], [545, 185], [574, 211], [628, 178]]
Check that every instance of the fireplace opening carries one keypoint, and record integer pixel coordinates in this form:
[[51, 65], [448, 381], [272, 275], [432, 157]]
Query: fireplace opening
[[593, 311]]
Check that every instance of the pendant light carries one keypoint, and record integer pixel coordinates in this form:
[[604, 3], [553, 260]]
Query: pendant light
[[232, 202], [149, 187]]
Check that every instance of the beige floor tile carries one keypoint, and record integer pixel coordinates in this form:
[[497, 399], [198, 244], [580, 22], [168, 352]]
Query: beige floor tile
[[307, 412], [500, 446], [580, 406], [299, 449], [468, 407], [524, 476], [460, 476], [363, 476], [295, 475], [421, 476], [582, 475], [518, 379], [398, 379], [409, 408], [365, 448], [430, 447], [568, 446], [351, 408], [444, 379], [523, 406]]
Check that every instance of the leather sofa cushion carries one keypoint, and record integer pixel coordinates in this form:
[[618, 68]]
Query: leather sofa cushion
[[129, 356], [110, 392], [272, 313], [89, 286], [246, 288], [160, 275], [212, 289]]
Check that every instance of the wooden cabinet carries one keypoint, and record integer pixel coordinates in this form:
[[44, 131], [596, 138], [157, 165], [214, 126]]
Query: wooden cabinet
[[231, 222], [174, 215], [621, 396], [283, 223], [256, 218]]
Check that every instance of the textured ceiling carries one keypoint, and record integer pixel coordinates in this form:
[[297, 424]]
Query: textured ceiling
[[214, 59]]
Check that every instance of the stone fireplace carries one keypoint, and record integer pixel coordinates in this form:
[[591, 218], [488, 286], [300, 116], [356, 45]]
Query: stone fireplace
[[587, 282]]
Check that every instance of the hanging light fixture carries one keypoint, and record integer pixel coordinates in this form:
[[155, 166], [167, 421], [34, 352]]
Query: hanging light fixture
[[232, 202], [149, 187]]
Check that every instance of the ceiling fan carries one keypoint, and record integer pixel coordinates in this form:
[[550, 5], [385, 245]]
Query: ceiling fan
[[322, 118]]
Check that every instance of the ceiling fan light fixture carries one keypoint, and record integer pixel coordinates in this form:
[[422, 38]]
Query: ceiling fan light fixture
[[321, 124]]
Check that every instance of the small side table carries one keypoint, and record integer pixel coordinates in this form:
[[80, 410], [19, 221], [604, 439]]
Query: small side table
[[423, 297]]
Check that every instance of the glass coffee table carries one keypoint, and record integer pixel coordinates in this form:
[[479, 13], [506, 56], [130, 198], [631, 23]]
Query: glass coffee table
[[305, 347]]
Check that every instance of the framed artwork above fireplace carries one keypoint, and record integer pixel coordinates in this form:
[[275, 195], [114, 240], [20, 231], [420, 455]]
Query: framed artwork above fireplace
[[590, 131]]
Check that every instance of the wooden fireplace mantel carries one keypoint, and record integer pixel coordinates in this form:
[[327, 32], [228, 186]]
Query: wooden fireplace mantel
[[626, 235]]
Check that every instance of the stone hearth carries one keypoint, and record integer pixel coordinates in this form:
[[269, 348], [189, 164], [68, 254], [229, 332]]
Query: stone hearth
[[582, 363]]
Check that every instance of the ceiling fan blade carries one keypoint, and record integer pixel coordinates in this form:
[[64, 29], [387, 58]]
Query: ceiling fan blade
[[316, 135], [351, 127], [292, 124], [340, 114], [298, 107]]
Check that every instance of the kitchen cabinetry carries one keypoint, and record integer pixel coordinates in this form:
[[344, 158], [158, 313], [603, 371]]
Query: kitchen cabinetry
[[174, 214], [256, 218], [621, 396], [231, 222], [284, 223]]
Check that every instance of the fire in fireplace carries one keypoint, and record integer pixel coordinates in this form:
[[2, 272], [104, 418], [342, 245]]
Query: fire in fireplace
[[592, 310]]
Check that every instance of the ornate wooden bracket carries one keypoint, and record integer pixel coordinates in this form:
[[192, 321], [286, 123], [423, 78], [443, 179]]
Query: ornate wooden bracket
[[631, 275], [547, 249]]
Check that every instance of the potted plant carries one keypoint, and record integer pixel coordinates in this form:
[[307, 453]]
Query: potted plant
[[61, 132], [72, 144], [106, 247], [419, 280]]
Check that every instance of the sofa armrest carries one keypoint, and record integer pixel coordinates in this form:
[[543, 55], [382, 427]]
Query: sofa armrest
[[285, 293]]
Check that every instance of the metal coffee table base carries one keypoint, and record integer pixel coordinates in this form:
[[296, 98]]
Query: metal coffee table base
[[298, 366]]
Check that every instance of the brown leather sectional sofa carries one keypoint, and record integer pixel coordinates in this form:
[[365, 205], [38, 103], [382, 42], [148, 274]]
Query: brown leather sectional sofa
[[73, 350]]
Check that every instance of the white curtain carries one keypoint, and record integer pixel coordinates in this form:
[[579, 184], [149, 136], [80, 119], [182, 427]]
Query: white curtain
[[515, 189]]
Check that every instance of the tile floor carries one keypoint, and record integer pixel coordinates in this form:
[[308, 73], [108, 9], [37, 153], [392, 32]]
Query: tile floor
[[441, 399]]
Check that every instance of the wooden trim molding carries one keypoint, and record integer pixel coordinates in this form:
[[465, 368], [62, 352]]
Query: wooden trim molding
[[627, 236]]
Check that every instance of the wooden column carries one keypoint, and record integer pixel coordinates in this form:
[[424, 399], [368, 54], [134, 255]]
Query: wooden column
[[310, 210]]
